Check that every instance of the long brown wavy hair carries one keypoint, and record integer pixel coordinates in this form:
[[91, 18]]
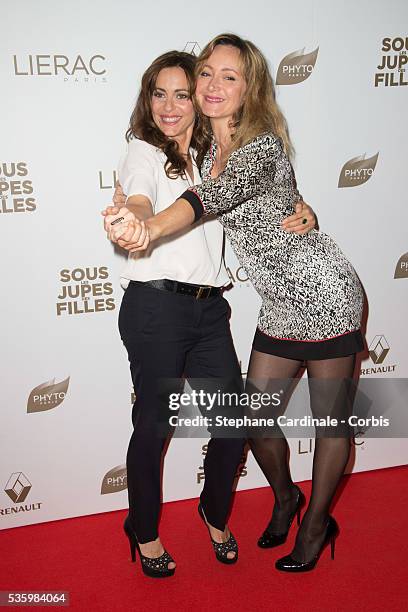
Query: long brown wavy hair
[[260, 112], [142, 125]]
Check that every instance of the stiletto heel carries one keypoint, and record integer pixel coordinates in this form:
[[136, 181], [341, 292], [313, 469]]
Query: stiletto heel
[[131, 537], [221, 548], [132, 550], [270, 540], [332, 543], [154, 567], [298, 511], [289, 564]]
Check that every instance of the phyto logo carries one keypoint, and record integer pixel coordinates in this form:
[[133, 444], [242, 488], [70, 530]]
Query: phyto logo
[[48, 395], [401, 269], [296, 67], [115, 480], [192, 47], [18, 487], [357, 171], [379, 349]]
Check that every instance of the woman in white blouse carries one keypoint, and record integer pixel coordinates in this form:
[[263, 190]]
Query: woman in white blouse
[[312, 299], [173, 320]]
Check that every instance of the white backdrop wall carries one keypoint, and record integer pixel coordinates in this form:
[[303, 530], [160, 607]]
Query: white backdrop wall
[[69, 75]]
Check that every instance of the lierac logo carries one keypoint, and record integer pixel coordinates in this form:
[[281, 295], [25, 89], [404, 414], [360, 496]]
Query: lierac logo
[[296, 67], [379, 349], [107, 180], [47, 396], [59, 65], [357, 171], [115, 480], [18, 487], [238, 275], [401, 270], [193, 48]]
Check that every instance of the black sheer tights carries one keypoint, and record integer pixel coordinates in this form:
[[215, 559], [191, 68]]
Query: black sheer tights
[[329, 395]]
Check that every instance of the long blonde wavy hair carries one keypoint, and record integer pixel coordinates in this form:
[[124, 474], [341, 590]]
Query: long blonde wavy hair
[[259, 112]]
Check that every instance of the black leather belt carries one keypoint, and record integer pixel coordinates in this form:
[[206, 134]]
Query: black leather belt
[[200, 292]]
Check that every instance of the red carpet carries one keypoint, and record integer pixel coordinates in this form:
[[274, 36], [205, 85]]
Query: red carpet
[[89, 557]]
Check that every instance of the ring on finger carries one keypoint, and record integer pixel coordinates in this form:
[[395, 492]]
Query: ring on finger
[[118, 220]]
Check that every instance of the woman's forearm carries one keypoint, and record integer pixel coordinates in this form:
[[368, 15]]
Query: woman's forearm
[[171, 220], [140, 206]]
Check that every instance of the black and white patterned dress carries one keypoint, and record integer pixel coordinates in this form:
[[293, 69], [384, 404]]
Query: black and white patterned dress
[[311, 296]]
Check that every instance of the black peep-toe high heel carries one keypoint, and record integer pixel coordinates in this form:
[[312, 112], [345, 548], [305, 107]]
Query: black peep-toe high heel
[[156, 567], [222, 548]]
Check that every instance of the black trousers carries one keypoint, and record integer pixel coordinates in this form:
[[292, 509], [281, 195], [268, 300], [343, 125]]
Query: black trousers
[[168, 335]]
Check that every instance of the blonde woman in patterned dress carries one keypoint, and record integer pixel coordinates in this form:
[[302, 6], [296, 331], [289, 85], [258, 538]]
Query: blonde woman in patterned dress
[[311, 296]]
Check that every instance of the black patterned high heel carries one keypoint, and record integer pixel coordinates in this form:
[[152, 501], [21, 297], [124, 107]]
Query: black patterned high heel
[[270, 540], [289, 564], [221, 549], [156, 567]]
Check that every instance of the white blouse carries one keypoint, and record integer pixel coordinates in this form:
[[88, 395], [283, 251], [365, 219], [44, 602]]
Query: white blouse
[[194, 255]]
